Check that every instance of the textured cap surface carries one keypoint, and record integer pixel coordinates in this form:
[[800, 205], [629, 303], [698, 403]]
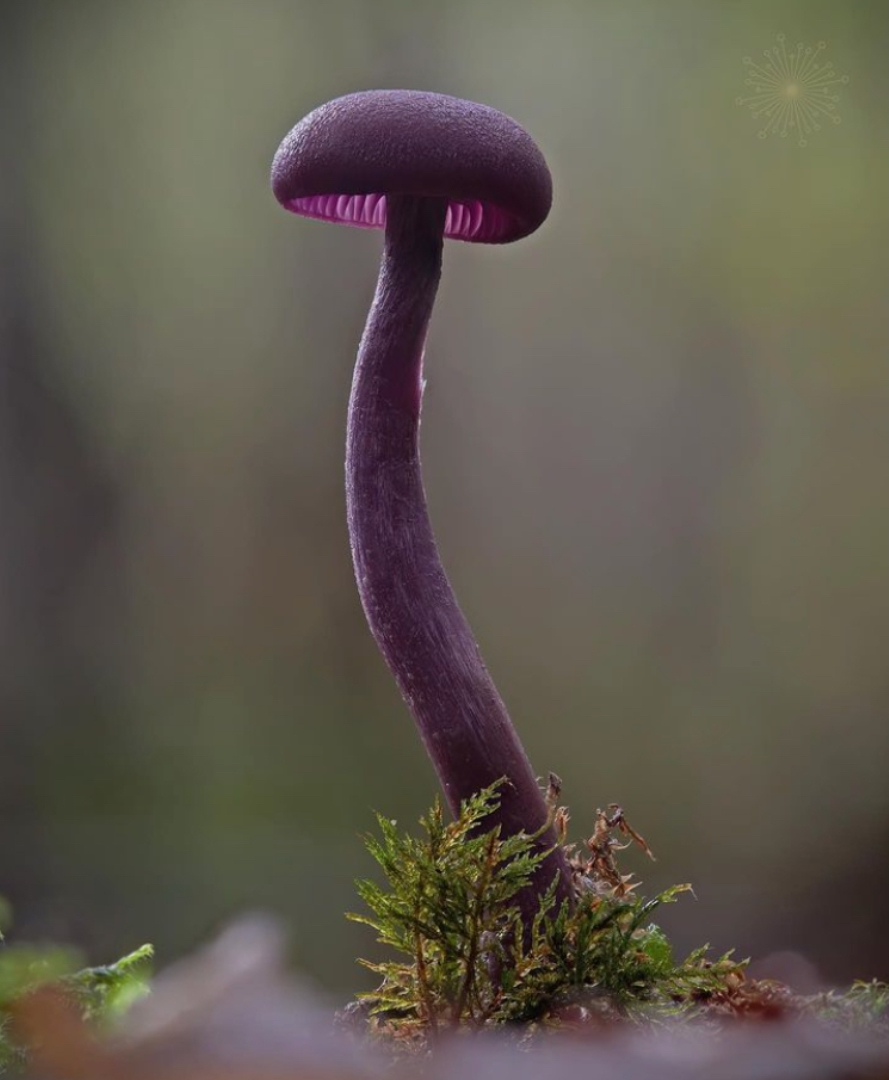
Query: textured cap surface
[[339, 163]]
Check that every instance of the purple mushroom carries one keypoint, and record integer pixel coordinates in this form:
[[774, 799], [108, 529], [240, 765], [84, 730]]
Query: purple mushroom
[[423, 166]]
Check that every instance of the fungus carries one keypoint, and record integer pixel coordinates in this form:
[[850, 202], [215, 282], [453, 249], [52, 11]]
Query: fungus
[[423, 166]]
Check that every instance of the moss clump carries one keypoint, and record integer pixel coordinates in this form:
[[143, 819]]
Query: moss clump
[[466, 960], [863, 1007], [101, 993]]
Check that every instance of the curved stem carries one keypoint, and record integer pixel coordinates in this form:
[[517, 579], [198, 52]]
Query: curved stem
[[410, 606]]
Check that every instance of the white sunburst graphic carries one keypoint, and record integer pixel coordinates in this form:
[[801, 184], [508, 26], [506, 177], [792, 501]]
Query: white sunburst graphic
[[792, 92]]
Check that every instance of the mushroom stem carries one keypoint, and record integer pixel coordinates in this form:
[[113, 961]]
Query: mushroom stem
[[409, 603]]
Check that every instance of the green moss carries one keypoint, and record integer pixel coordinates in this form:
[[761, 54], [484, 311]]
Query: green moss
[[101, 993], [863, 1007], [465, 958]]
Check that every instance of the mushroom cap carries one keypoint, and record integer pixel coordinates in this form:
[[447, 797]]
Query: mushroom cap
[[340, 162]]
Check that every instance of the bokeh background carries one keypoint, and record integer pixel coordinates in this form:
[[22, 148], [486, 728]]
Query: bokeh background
[[655, 444]]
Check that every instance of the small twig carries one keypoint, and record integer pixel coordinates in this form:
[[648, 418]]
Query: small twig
[[423, 984], [478, 907]]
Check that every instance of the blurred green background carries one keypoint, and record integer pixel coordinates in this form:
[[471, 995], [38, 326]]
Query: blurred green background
[[655, 443]]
